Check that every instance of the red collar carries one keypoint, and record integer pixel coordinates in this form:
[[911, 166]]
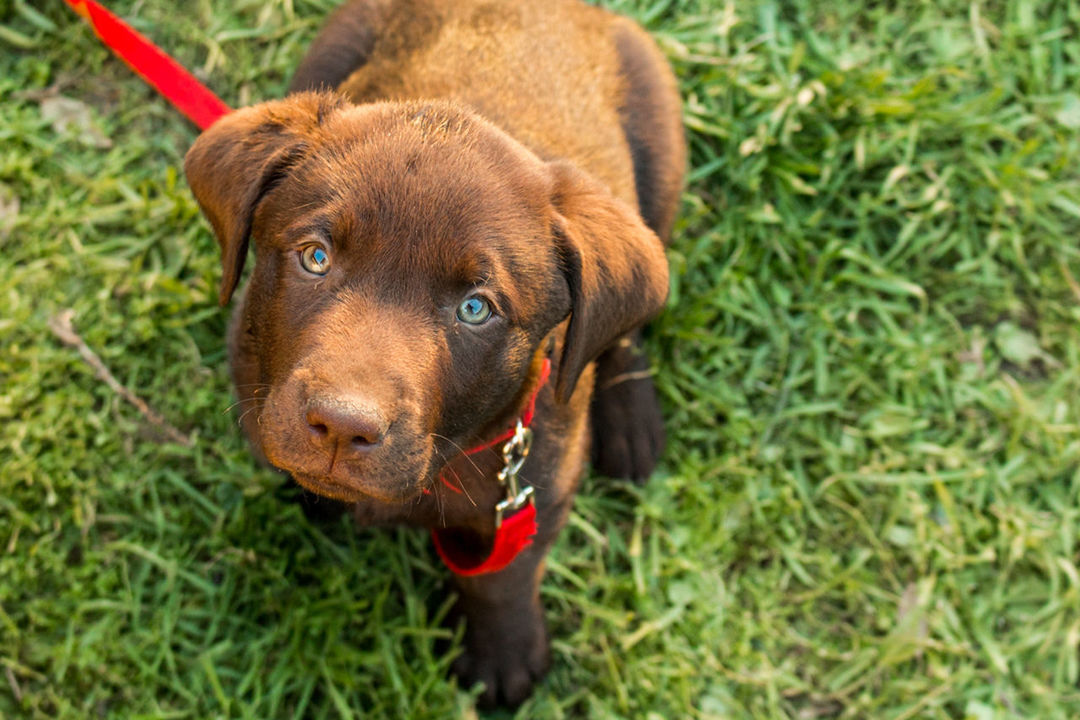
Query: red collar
[[513, 532]]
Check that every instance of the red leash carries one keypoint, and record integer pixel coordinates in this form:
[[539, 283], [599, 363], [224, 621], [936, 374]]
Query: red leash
[[150, 62]]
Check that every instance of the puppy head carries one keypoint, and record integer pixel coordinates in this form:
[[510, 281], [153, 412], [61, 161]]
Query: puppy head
[[411, 259]]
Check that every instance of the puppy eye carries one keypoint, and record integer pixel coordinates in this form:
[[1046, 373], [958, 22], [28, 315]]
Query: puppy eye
[[315, 259], [474, 310]]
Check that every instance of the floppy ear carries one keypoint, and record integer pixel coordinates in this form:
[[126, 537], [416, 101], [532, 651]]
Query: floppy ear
[[240, 158], [614, 266]]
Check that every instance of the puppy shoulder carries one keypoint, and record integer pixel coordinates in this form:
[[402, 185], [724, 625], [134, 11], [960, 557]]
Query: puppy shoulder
[[651, 117], [344, 44]]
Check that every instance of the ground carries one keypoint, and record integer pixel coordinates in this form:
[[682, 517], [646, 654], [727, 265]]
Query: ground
[[869, 367]]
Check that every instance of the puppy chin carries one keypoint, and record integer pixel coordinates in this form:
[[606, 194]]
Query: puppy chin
[[345, 484], [340, 491]]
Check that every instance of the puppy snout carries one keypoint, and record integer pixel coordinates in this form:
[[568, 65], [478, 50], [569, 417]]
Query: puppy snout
[[349, 424]]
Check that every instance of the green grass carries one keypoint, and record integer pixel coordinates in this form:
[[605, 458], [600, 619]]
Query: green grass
[[870, 368]]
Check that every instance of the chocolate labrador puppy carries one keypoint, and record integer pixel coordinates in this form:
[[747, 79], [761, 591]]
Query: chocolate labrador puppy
[[458, 199]]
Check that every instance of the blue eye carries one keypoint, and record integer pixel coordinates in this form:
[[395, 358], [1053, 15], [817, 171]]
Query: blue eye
[[315, 259], [474, 310]]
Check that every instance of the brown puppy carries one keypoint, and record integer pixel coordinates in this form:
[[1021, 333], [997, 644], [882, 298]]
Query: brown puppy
[[458, 193]]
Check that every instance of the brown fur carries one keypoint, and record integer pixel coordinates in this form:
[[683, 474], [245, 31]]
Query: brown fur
[[504, 148]]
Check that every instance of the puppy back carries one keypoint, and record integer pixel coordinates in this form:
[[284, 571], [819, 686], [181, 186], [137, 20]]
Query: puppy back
[[548, 73]]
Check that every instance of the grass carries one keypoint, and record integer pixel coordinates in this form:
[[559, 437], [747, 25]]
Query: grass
[[870, 369]]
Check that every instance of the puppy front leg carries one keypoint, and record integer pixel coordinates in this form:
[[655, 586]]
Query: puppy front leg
[[627, 425], [506, 644]]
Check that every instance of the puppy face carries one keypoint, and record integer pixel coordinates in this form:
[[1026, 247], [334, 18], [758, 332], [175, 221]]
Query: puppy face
[[407, 279], [411, 259]]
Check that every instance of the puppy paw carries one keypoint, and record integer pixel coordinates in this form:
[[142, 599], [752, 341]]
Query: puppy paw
[[508, 664], [627, 427]]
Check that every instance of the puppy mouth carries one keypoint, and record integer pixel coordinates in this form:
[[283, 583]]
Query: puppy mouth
[[393, 483], [334, 491], [351, 492]]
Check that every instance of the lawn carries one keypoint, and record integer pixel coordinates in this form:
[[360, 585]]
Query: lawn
[[870, 367]]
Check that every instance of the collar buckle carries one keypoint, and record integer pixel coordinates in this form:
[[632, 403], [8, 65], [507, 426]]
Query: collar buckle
[[514, 452]]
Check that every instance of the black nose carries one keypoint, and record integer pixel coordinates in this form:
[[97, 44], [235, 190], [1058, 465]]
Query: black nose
[[347, 424]]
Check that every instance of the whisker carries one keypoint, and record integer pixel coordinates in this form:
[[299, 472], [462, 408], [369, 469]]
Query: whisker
[[526, 481], [247, 412], [460, 449], [437, 491], [462, 486], [241, 402], [438, 482]]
